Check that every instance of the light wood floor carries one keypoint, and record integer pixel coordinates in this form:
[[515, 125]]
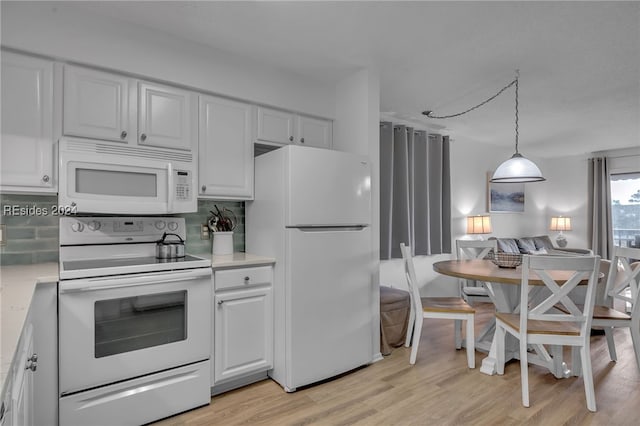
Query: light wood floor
[[438, 390]]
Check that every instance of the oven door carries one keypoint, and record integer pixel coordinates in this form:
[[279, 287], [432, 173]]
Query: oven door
[[121, 327]]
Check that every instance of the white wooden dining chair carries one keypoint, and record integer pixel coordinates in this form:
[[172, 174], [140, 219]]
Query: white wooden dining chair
[[622, 285], [470, 290], [454, 308], [540, 323]]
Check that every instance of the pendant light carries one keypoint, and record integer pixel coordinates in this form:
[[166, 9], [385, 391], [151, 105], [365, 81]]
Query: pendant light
[[517, 168]]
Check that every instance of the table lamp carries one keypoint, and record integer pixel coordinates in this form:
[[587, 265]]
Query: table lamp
[[480, 224], [560, 223]]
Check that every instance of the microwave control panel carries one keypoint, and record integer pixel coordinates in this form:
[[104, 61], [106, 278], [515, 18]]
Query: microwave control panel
[[183, 185]]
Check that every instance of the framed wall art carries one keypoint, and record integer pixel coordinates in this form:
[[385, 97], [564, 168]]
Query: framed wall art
[[504, 197]]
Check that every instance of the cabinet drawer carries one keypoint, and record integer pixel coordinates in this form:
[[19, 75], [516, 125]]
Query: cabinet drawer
[[243, 277]]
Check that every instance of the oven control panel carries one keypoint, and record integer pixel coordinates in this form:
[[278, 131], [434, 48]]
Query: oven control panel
[[105, 230]]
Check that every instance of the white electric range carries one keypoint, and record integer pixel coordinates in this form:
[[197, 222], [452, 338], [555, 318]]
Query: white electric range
[[134, 330]]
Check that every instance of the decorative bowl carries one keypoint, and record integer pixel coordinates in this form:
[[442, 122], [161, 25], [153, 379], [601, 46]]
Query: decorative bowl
[[506, 260]]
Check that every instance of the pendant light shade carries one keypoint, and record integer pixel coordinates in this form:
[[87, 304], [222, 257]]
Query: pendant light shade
[[517, 169]]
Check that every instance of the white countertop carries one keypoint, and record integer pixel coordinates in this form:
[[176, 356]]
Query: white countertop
[[236, 260], [17, 284]]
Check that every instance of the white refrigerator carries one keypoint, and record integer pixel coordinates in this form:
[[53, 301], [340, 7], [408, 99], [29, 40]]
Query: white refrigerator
[[312, 213]]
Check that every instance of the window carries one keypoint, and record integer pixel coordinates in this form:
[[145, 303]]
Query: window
[[625, 209]]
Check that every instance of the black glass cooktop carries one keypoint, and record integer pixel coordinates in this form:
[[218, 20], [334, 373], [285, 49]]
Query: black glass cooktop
[[75, 265]]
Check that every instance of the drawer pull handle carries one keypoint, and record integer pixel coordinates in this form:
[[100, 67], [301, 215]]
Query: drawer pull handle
[[220, 302], [246, 280]]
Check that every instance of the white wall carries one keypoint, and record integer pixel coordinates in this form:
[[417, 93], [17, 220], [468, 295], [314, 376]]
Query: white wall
[[564, 193], [356, 129], [69, 33]]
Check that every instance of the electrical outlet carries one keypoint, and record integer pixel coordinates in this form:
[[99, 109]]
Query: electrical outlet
[[204, 231], [3, 234]]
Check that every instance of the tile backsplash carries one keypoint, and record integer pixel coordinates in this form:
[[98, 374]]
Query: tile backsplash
[[31, 228], [197, 246]]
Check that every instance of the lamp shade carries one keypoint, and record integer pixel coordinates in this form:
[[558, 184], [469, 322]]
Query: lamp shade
[[480, 224], [517, 169], [560, 223]]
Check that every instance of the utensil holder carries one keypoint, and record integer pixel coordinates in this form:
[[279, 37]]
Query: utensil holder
[[222, 243]]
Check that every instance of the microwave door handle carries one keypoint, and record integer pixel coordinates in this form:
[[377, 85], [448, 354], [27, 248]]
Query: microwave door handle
[[170, 188]]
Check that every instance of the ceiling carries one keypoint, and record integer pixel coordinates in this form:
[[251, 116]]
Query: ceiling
[[579, 62]]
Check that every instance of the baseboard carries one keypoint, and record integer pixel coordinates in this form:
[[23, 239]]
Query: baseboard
[[237, 383]]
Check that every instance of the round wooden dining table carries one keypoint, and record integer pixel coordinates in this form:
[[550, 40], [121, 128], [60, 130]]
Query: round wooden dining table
[[485, 270], [503, 288]]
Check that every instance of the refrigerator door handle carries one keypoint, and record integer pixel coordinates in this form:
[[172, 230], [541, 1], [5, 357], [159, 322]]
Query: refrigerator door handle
[[333, 228]]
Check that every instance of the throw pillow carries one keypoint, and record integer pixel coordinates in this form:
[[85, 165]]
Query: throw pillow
[[543, 241], [526, 245], [507, 245]]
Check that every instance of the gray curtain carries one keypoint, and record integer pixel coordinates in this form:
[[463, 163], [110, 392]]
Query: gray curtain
[[600, 225], [415, 191]]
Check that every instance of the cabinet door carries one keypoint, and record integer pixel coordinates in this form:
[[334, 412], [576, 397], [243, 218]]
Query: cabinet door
[[243, 333], [275, 126], [96, 105], [22, 403], [225, 149], [43, 314], [27, 135], [313, 132], [165, 117]]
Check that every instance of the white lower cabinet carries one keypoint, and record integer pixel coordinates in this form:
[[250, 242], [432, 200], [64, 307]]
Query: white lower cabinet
[[22, 401], [32, 386], [243, 323]]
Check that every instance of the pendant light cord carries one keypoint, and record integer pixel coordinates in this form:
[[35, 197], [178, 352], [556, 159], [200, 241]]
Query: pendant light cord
[[514, 82]]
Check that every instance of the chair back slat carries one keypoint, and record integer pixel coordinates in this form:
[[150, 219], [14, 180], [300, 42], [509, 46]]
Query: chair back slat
[[559, 293], [475, 249], [624, 275], [410, 273], [581, 268]]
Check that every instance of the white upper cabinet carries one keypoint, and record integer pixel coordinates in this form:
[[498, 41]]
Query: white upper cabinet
[[313, 132], [225, 149], [282, 127], [96, 105], [165, 116], [27, 118], [105, 106], [275, 126]]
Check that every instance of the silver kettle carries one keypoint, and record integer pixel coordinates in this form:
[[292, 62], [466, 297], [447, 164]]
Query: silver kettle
[[171, 249]]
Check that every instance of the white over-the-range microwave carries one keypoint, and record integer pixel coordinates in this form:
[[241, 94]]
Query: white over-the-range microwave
[[102, 177]]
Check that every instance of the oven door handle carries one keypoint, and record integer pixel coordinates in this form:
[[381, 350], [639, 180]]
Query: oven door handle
[[109, 283]]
